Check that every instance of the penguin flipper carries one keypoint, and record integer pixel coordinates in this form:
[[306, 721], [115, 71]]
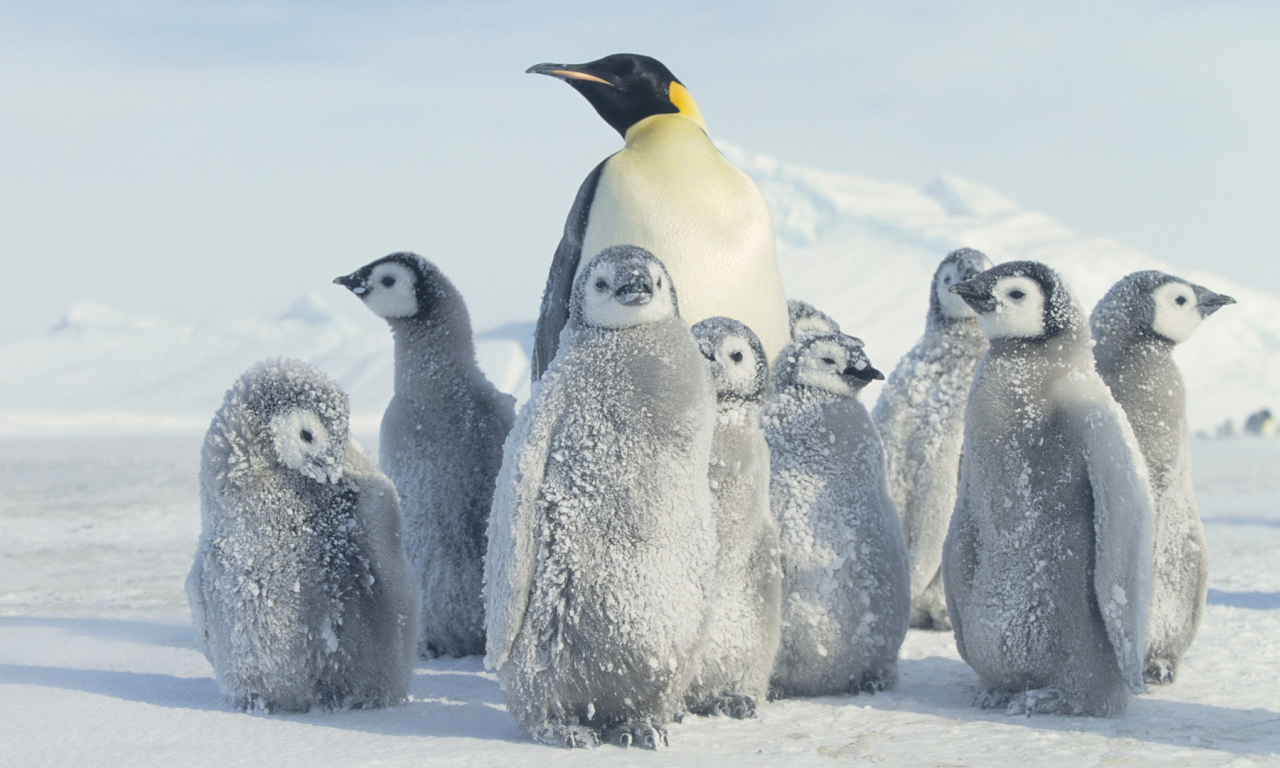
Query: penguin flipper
[[512, 556], [555, 297], [1123, 515]]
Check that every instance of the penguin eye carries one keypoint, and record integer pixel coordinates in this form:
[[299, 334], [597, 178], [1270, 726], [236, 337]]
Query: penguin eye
[[602, 285], [1016, 295], [388, 281], [828, 361], [947, 279], [1180, 300], [736, 357], [306, 433]]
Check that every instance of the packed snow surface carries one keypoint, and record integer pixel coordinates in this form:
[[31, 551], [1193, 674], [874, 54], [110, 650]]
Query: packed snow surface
[[98, 663], [859, 249]]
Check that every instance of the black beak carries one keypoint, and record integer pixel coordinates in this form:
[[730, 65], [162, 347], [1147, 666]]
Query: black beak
[[353, 282], [974, 296], [867, 373], [566, 72], [1209, 302], [638, 290]]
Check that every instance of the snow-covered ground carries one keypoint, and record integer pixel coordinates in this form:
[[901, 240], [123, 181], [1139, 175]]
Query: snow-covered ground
[[98, 664]]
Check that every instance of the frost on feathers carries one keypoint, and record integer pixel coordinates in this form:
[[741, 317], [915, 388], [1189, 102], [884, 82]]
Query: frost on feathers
[[441, 442], [920, 417], [602, 538], [300, 592], [806, 319], [845, 589], [743, 623], [1136, 326], [1047, 563]]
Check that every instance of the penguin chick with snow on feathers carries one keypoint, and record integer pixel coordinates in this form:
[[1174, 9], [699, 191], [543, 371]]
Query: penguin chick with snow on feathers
[[602, 541], [1135, 327], [300, 592], [1047, 563], [441, 442], [845, 586], [743, 625], [670, 191], [806, 319], [920, 417]]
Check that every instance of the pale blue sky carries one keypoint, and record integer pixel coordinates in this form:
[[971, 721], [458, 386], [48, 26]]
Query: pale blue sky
[[200, 158]]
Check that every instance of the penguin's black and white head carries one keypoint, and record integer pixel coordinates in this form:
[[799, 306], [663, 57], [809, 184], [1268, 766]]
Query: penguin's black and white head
[[625, 88], [1021, 300], [736, 356], [830, 362], [806, 319], [622, 287], [959, 266], [1153, 303], [399, 286], [304, 414]]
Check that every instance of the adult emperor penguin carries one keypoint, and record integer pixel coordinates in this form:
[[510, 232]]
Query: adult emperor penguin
[[300, 592], [1047, 563], [743, 625], [602, 541], [845, 586], [920, 417], [441, 442], [670, 191], [1135, 327]]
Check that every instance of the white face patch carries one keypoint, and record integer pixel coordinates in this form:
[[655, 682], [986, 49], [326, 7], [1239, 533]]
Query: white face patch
[[392, 291], [821, 365], [1019, 312], [1177, 312], [953, 307], [302, 444], [735, 367], [602, 307]]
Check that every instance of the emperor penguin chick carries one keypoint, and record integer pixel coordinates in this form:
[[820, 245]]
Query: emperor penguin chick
[[602, 541], [300, 592], [441, 442], [845, 589], [1135, 327], [743, 626], [670, 191], [806, 319], [920, 417], [1047, 562]]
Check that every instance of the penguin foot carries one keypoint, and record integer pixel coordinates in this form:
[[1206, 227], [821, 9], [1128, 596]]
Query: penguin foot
[[1037, 701], [1160, 671], [993, 698], [568, 735], [734, 705], [872, 681], [636, 733]]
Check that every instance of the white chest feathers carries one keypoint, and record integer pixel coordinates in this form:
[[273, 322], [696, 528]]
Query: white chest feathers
[[671, 192]]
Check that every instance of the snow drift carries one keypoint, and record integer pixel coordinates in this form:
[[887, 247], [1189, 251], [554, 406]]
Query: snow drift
[[859, 249]]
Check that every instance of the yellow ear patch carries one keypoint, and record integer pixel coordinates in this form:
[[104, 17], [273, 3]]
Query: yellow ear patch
[[684, 102]]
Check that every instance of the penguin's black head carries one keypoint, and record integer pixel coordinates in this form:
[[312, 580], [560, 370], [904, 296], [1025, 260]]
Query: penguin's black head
[[1022, 300], [736, 356], [625, 88], [959, 265], [806, 319], [622, 287], [835, 363], [399, 286], [1154, 304]]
